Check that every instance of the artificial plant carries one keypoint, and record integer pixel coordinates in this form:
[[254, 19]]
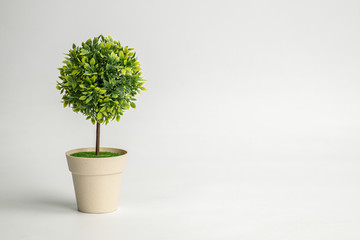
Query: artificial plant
[[100, 79]]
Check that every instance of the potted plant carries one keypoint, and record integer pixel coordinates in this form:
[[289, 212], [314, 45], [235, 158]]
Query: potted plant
[[99, 79]]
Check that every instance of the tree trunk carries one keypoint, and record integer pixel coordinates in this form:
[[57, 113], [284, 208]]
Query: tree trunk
[[97, 139]]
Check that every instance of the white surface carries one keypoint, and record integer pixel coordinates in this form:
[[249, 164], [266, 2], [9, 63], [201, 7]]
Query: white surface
[[249, 128]]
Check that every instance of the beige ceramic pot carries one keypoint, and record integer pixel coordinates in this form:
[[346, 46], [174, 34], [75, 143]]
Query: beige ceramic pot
[[97, 180]]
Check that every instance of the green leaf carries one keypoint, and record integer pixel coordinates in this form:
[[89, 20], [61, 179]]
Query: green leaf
[[92, 62], [58, 87], [74, 46], [108, 45], [93, 121], [102, 109], [88, 100], [118, 118], [99, 116], [102, 91], [82, 98], [133, 105], [84, 52]]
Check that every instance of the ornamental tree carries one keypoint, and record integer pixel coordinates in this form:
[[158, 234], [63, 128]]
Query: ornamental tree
[[100, 79]]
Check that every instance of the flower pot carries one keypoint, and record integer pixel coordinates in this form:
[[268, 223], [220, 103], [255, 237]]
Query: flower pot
[[97, 180]]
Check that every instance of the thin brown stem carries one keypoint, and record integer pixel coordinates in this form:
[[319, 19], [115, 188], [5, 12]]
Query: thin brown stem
[[97, 139]]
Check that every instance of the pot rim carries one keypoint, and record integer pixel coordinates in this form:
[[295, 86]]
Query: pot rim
[[89, 149]]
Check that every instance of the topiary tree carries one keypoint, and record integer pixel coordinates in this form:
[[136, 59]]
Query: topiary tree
[[100, 79]]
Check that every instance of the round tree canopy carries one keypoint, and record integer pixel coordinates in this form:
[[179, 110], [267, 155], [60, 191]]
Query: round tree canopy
[[100, 79]]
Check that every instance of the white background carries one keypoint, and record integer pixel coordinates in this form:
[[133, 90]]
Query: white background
[[249, 128]]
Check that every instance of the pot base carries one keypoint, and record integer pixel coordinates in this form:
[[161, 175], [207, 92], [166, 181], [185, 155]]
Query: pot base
[[97, 194]]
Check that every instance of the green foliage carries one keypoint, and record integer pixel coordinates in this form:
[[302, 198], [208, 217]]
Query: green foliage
[[100, 79]]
